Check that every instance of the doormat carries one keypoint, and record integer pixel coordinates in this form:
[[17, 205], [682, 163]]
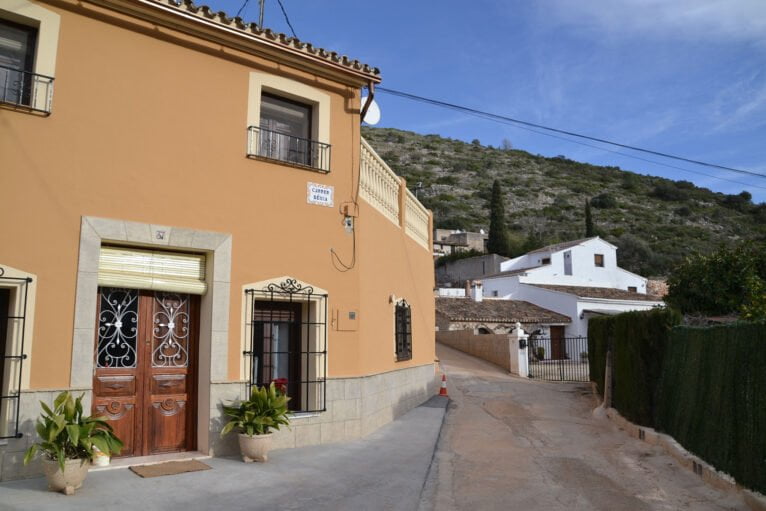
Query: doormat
[[169, 468]]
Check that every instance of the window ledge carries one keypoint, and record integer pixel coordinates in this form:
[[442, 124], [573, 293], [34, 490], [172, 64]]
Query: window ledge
[[288, 163], [303, 415]]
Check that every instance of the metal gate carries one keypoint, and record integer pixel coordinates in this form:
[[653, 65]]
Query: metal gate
[[558, 358]]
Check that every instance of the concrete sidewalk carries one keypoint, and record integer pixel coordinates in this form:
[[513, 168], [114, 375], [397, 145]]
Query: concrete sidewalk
[[386, 470]]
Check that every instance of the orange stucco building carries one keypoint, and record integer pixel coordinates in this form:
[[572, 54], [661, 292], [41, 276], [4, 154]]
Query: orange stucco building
[[187, 208]]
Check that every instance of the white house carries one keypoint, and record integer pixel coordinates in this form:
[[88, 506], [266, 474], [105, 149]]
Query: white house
[[578, 279]]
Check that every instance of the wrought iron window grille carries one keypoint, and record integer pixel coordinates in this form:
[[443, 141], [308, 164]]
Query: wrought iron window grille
[[286, 336], [403, 331], [12, 397], [24, 90], [276, 146]]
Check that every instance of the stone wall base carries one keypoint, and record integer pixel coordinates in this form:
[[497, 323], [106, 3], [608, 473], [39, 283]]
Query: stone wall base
[[355, 408]]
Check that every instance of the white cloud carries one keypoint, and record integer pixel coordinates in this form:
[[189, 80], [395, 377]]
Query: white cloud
[[740, 105], [742, 20]]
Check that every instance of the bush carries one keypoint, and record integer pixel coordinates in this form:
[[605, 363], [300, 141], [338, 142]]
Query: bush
[[603, 201], [669, 192], [712, 397]]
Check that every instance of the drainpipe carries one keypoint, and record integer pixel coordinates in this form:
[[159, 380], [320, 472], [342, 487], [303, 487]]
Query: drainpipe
[[371, 88]]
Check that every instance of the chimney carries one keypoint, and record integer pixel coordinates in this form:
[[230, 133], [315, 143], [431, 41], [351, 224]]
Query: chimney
[[476, 291]]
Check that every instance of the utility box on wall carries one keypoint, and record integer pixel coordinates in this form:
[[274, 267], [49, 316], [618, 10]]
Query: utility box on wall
[[345, 320]]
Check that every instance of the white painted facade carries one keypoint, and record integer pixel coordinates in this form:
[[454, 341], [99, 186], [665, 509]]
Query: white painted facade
[[569, 265], [551, 266]]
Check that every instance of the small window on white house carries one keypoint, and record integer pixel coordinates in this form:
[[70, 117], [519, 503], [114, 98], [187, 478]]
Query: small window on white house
[[598, 260], [568, 262], [546, 260], [632, 289]]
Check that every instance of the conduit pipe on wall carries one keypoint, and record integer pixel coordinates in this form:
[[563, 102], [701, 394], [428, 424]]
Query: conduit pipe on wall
[[371, 88]]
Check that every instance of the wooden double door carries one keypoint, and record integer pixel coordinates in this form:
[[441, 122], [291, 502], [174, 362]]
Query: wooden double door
[[145, 368]]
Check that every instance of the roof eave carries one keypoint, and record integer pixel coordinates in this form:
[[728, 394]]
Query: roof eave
[[166, 13]]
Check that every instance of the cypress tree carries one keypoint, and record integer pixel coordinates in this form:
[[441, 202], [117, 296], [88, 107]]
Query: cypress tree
[[590, 231], [497, 242]]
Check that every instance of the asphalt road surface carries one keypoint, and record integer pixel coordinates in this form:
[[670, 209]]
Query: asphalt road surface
[[516, 444]]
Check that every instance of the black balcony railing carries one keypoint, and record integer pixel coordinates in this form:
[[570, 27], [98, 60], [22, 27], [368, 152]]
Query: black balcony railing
[[25, 90], [273, 145]]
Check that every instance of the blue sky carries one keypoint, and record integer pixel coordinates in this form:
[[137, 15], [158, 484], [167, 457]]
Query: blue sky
[[687, 77]]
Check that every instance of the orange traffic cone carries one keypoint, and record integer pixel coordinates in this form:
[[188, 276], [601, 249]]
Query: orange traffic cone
[[443, 390]]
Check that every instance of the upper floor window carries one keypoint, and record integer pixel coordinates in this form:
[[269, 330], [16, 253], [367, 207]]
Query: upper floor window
[[403, 331], [17, 60], [633, 289], [285, 129], [546, 260], [284, 133], [598, 260], [20, 85]]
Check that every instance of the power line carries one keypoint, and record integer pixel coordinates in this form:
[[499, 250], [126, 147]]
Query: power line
[[507, 119], [244, 4], [286, 18], [655, 162]]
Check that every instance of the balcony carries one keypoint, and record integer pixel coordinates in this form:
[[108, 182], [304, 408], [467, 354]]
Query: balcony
[[387, 193], [276, 146], [22, 90]]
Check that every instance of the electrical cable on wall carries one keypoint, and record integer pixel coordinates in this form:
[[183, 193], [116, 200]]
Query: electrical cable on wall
[[336, 260]]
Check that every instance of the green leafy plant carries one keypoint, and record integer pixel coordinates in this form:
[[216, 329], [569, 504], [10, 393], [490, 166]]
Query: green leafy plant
[[65, 433], [265, 410]]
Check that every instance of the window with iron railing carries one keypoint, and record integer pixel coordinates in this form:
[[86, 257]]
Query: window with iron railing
[[14, 292], [286, 332], [285, 134], [403, 331], [20, 87]]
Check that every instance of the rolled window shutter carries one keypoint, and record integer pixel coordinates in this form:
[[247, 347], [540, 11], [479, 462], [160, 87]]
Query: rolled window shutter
[[147, 269]]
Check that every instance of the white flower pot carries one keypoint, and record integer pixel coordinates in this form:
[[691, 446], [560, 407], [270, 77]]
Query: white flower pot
[[70, 479], [255, 448]]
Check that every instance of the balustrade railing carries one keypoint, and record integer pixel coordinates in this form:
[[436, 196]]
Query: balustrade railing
[[379, 184], [380, 187], [416, 220], [25, 90], [274, 145]]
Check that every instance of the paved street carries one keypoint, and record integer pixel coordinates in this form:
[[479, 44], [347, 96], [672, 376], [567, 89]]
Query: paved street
[[384, 471], [516, 444]]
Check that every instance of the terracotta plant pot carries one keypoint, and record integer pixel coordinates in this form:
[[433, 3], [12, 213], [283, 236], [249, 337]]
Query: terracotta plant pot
[[70, 479], [255, 448]]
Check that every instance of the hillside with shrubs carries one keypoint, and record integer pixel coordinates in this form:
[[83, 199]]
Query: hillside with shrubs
[[654, 221]]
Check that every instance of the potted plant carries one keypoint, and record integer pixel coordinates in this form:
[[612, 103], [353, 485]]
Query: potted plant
[[68, 441], [265, 410]]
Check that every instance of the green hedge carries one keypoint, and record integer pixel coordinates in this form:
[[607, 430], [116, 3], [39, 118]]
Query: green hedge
[[639, 340], [712, 397]]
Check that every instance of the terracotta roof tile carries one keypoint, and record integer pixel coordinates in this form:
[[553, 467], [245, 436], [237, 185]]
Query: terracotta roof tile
[[497, 311], [252, 29], [599, 292]]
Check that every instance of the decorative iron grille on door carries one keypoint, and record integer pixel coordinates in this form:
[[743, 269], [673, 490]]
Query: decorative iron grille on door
[[14, 292], [286, 335]]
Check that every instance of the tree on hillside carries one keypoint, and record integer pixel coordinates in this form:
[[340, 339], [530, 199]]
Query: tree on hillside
[[590, 231], [497, 242]]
